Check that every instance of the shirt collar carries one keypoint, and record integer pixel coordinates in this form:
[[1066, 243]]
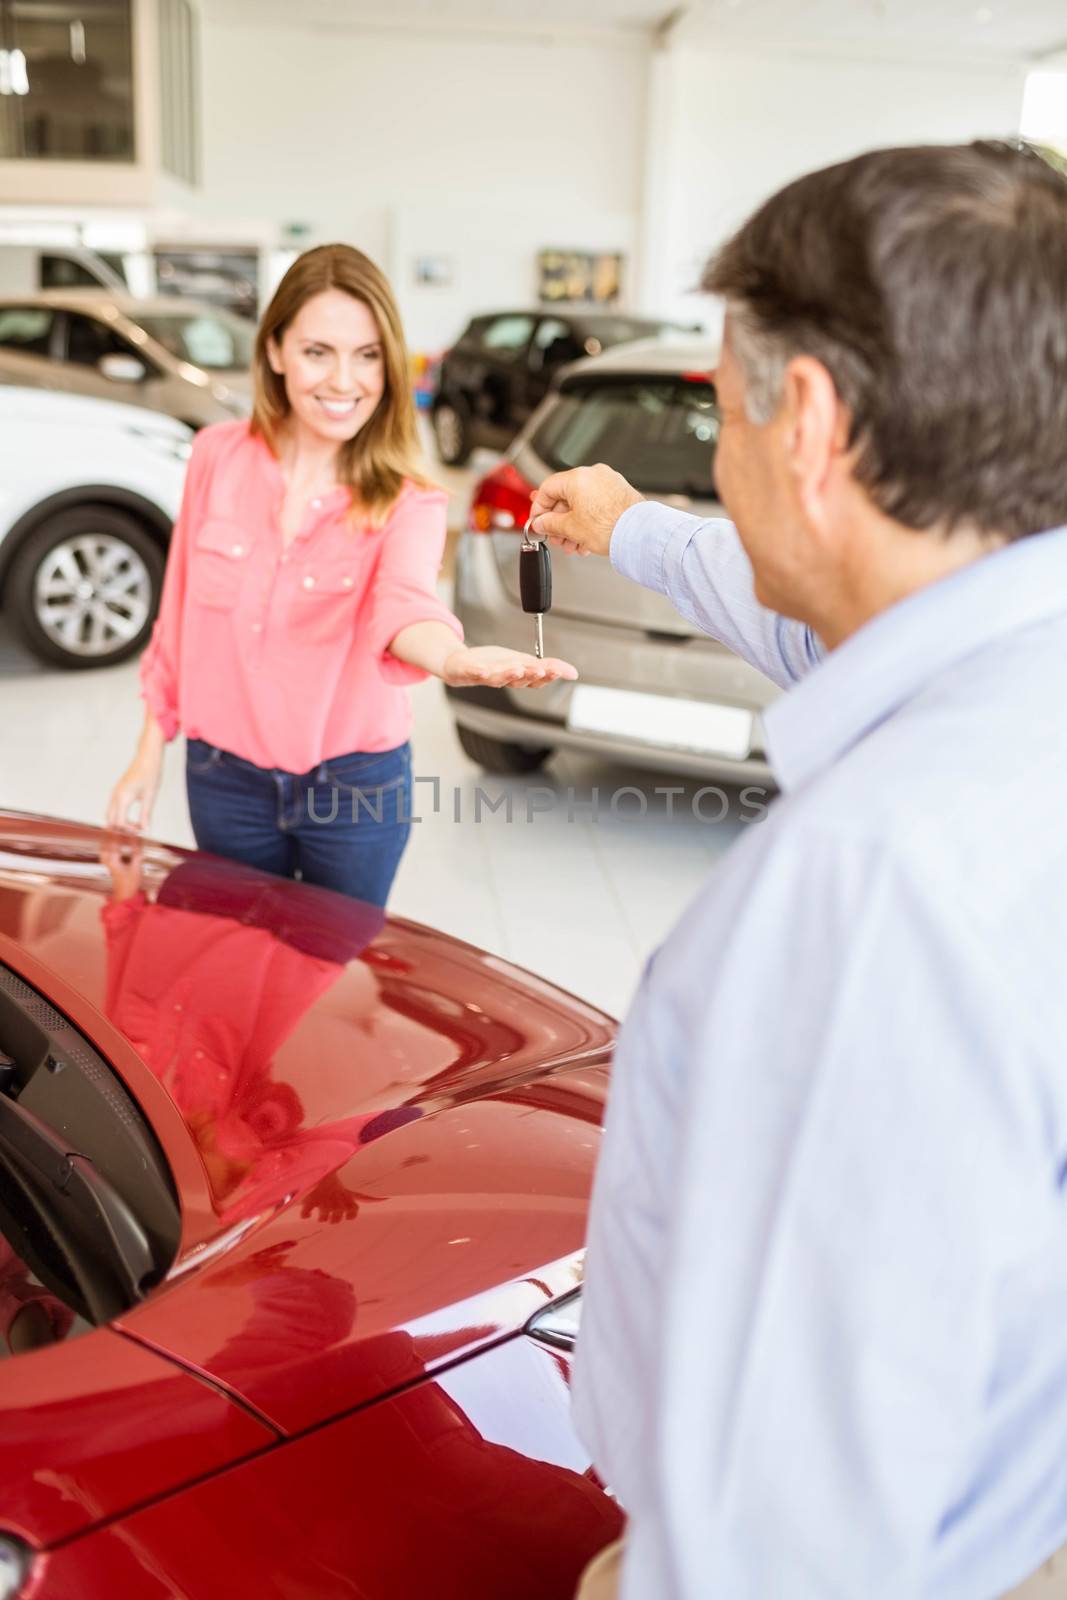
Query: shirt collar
[[869, 676]]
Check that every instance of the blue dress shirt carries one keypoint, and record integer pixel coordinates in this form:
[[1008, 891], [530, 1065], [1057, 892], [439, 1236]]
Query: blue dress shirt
[[824, 1343]]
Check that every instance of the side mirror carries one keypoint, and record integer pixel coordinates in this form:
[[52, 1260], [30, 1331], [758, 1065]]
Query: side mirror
[[122, 369]]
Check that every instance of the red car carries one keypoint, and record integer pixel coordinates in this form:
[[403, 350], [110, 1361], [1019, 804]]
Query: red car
[[292, 1203]]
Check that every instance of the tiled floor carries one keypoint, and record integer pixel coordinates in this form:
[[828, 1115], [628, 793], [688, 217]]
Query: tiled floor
[[580, 893]]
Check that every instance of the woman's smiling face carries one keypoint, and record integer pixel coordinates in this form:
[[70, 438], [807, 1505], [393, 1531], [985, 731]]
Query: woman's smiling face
[[332, 361]]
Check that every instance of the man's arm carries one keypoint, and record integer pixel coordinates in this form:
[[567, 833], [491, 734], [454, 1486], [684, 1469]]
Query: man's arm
[[700, 566], [849, 1174]]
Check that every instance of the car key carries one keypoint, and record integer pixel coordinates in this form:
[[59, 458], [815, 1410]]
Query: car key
[[535, 584]]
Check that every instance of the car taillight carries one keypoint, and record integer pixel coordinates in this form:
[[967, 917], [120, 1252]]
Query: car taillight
[[501, 501]]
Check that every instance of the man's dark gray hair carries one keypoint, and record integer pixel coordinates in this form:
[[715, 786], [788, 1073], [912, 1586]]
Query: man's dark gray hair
[[931, 283]]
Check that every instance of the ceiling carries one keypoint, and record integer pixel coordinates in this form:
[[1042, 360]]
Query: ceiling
[[1019, 29]]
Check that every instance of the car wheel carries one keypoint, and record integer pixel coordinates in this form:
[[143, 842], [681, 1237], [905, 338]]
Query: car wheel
[[84, 588], [496, 755], [452, 434]]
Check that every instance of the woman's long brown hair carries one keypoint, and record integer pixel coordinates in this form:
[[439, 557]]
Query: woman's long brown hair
[[385, 451]]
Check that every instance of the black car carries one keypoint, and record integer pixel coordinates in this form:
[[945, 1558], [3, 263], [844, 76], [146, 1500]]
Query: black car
[[501, 368]]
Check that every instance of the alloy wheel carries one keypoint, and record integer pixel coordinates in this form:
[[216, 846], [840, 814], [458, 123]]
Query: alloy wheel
[[92, 594]]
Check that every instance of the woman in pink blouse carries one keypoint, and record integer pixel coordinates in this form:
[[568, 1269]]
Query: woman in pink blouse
[[300, 600]]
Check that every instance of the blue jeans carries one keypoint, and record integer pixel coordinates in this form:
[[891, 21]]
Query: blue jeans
[[343, 825]]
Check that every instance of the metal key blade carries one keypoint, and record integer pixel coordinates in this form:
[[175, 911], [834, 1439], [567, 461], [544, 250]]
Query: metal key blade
[[539, 637]]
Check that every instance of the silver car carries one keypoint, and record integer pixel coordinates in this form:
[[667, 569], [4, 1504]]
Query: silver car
[[652, 690], [188, 360]]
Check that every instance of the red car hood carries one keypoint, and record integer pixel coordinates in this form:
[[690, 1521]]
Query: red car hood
[[383, 1139]]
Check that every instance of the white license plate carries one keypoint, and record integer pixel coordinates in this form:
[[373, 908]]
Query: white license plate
[[660, 720]]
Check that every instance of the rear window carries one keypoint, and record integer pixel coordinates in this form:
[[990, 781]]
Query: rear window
[[660, 433]]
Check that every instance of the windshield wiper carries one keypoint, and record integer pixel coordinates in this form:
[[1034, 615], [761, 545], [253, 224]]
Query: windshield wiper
[[67, 1222]]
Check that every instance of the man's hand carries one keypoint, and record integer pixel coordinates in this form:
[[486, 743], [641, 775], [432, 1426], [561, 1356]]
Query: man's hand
[[578, 510]]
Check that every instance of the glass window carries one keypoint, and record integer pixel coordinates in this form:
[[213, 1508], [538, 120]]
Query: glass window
[[89, 340], [549, 331], [27, 329], [508, 336], [70, 71], [63, 272], [179, 85], [555, 343], [659, 432], [212, 339]]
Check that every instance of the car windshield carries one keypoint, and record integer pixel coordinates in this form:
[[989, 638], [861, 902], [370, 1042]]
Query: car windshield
[[659, 432], [211, 339]]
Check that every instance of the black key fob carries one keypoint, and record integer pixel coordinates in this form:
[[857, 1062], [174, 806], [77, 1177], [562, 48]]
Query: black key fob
[[535, 576]]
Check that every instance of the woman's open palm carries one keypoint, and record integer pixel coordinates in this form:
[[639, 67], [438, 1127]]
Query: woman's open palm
[[502, 668]]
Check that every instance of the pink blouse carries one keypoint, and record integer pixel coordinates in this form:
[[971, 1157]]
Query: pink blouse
[[282, 655]]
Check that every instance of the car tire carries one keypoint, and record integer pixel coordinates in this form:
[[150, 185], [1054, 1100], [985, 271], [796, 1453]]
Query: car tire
[[496, 755], [452, 433], [84, 588]]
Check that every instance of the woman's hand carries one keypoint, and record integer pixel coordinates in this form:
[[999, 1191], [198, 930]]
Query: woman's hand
[[502, 668], [134, 795]]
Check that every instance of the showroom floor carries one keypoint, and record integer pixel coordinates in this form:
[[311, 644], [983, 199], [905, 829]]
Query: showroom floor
[[579, 894]]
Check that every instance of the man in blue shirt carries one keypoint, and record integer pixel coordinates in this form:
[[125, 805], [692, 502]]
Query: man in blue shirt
[[824, 1347]]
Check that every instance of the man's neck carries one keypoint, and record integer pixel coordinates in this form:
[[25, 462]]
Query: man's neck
[[881, 570]]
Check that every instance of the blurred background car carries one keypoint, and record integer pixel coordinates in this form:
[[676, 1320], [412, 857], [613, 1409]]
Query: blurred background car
[[89, 492], [652, 689], [503, 364], [188, 360]]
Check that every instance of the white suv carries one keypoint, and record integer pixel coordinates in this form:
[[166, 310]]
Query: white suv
[[89, 491]]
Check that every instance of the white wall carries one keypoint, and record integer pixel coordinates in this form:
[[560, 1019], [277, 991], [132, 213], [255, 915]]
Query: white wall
[[740, 123], [482, 150]]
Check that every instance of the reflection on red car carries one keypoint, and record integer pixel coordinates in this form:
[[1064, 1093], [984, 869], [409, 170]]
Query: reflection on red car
[[292, 1204]]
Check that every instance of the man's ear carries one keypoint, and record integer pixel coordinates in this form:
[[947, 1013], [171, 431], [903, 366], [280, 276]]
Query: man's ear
[[816, 423]]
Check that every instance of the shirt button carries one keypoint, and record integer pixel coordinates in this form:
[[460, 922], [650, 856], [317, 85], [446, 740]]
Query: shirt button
[[315, 504], [257, 627], [177, 1005], [238, 549], [309, 583], [347, 582]]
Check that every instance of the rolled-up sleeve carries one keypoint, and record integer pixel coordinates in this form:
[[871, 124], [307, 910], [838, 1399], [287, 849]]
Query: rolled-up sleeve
[[161, 661], [405, 583]]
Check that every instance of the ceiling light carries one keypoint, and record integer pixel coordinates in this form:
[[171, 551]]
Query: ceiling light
[[13, 76], [984, 14]]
